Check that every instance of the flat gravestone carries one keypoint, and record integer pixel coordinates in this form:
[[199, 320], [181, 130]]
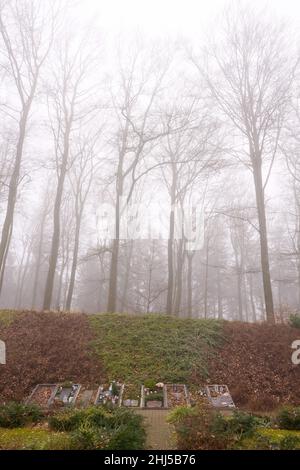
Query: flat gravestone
[[154, 404], [131, 403], [219, 396]]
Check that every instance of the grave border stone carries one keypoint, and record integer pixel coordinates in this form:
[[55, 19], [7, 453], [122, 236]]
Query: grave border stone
[[51, 398], [120, 399], [139, 400], [164, 403], [186, 393], [214, 400]]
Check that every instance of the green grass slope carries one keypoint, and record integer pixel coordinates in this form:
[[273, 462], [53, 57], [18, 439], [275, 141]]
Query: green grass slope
[[158, 347]]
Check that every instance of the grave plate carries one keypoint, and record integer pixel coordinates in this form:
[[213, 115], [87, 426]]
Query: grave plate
[[219, 396]]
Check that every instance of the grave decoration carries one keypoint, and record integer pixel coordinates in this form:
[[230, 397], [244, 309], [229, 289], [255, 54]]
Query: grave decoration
[[219, 396], [177, 395], [43, 395], [153, 394], [110, 394], [131, 395], [66, 394], [197, 396]]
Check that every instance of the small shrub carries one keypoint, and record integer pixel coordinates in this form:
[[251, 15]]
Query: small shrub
[[271, 439], [180, 413], [290, 443], [289, 418], [294, 320], [88, 437], [197, 430], [154, 396], [205, 429], [101, 428], [100, 417], [242, 423], [115, 389], [150, 384], [67, 384], [14, 415], [128, 437], [67, 420]]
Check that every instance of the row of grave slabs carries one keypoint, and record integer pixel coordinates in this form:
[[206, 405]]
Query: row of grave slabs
[[158, 396]]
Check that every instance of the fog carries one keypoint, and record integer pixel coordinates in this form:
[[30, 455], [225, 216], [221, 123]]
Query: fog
[[149, 157]]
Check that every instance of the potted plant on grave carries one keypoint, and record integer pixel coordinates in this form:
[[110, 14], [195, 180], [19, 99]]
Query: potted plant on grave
[[153, 394]]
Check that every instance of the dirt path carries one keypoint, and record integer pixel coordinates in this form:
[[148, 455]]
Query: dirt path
[[159, 432]]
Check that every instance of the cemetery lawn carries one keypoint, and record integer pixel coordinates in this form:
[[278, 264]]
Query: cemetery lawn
[[138, 348], [32, 439]]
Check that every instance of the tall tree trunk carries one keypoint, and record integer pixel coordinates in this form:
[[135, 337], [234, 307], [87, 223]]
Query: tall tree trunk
[[264, 250], [56, 222], [113, 275], [74, 263], [38, 264], [126, 277], [206, 280], [25, 270], [253, 308], [19, 278], [170, 291], [239, 293], [180, 263], [12, 193], [219, 291], [189, 285], [169, 306], [2, 272]]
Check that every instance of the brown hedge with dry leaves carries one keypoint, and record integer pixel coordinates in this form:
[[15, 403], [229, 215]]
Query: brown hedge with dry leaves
[[46, 347], [255, 362]]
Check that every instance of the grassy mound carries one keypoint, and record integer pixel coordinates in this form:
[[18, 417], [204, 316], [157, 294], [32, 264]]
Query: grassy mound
[[138, 348]]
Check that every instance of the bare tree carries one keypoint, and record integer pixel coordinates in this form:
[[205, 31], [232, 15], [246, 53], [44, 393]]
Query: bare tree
[[81, 177], [26, 31], [69, 105], [250, 78], [138, 131]]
